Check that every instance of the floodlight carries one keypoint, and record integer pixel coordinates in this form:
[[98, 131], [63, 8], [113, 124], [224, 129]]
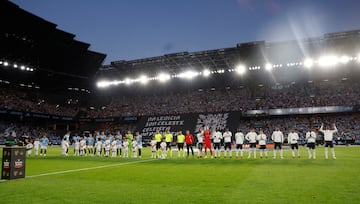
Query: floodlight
[[344, 59], [308, 63], [206, 72], [128, 81], [163, 77], [188, 74], [103, 84], [240, 69], [268, 66], [15, 65], [6, 64], [143, 79], [327, 61]]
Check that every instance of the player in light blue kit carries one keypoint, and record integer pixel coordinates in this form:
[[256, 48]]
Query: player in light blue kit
[[90, 145], [44, 141], [119, 138], [138, 138]]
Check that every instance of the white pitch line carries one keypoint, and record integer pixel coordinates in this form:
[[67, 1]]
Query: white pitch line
[[89, 168]]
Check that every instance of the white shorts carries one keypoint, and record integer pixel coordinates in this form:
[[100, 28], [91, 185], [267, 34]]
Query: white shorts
[[43, 147]]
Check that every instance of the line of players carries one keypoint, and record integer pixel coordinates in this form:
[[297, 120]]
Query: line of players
[[101, 144], [161, 144]]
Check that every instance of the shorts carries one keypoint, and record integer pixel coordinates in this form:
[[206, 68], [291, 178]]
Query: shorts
[[262, 147], [252, 145], [168, 144], [295, 146], [43, 147], [239, 146], [277, 144], [329, 143], [200, 145], [158, 145], [217, 145], [207, 145], [227, 145], [311, 145], [180, 145]]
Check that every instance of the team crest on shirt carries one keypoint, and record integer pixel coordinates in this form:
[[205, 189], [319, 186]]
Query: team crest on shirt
[[213, 121]]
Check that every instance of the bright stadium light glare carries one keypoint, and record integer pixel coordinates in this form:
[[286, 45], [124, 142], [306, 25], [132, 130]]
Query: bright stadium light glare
[[268, 67], [128, 81], [206, 73], [102, 84], [143, 79], [15, 65], [188, 74], [308, 63], [6, 64], [344, 59], [163, 77], [240, 69], [328, 61]]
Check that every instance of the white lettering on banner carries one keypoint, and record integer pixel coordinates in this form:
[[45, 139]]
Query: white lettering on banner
[[213, 121], [161, 123]]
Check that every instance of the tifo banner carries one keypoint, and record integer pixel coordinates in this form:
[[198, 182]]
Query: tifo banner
[[192, 122]]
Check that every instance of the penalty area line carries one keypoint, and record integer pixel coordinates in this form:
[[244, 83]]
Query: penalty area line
[[88, 168]]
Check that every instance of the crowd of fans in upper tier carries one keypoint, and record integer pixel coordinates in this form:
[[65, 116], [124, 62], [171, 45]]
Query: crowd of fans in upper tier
[[325, 93]]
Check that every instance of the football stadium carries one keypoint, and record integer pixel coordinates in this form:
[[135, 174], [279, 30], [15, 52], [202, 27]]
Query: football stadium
[[256, 122]]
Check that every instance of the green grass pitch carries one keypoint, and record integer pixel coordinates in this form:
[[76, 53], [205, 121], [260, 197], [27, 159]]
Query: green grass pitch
[[192, 180]]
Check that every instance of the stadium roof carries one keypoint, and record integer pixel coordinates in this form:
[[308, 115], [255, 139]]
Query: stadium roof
[[250, 53], [34, 42]]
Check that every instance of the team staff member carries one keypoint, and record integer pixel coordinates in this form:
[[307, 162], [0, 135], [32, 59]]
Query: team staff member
[[278, 138], [311, 139], [251, 137], [168, 140], [293, 138], [328, 137], [180, 144], [189, 139], [158, 139]]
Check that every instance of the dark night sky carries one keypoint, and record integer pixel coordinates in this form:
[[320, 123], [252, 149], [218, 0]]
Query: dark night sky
[[132, 29]]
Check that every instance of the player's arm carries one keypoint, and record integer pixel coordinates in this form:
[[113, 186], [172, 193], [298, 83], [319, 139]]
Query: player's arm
[[321, 128], [335, 129]]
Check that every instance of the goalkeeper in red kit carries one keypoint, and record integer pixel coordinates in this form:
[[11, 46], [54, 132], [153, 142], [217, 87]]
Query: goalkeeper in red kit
[[207, 141]]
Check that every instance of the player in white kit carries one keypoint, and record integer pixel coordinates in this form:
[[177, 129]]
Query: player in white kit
[[251, 137], [125, 147], [293, 138], [36, 146], [107, 145], [200, 138], [278, 138], [227, 135], [239, 140], [153, 147], [64, 147], [134, 145], [29, 147], [217, 140], [114, 147], [82, 146], [310, 143], [328, 137], [261, 138]]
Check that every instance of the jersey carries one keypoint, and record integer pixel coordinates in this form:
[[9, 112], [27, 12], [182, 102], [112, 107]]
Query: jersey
[[217, 137], [67, 137], [227, 136], [44, 142], [90, 141], [180, 138], [153, 145], [134, 145], [239, 138], [189, 139], [77, 145], [107, 144], [277, 136], [251, 137], [139, 140], [168, 137], [36, 144], [200, 137], [310, 137], [125, 145], [29, 146], [158, 137], [114, 145], [328, 134], [64, 144], [82, 144], [261, 138], [293, 138], [163, 145]]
